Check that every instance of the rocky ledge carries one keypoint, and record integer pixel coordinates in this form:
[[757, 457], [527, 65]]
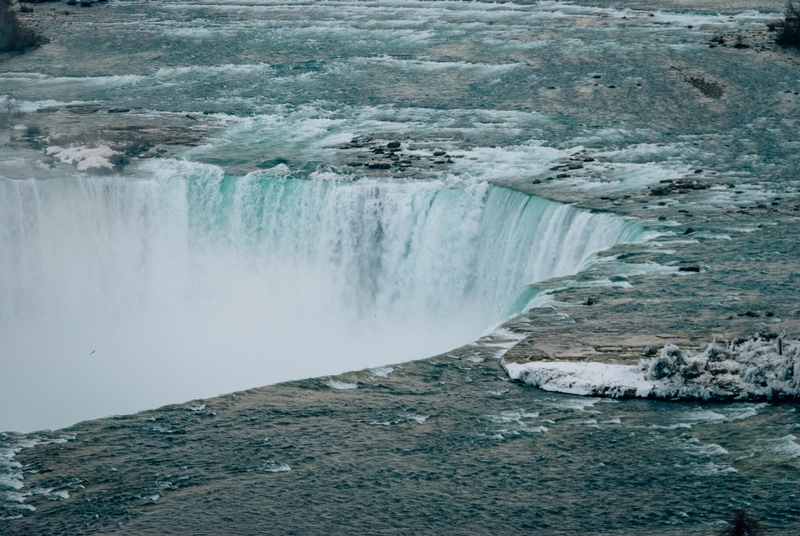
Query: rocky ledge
[[409, 155]]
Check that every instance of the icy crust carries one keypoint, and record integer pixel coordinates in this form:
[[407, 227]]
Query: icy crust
[[756, 369], [98, 159]]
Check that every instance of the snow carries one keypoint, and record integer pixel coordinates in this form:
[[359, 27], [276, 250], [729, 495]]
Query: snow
[[84, 158], [598, 379], [756, 369]]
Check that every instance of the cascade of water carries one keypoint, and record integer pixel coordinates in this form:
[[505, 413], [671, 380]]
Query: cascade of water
[[191, 282]]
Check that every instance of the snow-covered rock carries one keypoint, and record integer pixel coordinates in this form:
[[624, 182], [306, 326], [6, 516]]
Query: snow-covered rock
[[102, 158], [756, 369]]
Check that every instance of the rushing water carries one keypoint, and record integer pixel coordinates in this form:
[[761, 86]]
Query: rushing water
[[118, 295], [186, 277]]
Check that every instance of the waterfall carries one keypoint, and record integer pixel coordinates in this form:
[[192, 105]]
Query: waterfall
[[187, 282]]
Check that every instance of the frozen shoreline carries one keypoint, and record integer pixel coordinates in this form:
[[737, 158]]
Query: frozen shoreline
[[756, 369]]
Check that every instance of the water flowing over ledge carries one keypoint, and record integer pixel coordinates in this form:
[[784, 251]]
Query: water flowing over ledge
[[165, 273]]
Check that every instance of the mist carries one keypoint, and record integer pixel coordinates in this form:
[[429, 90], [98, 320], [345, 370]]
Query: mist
[[123, 294]]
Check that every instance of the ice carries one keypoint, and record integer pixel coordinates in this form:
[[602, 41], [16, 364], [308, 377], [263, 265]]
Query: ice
[[84, 158], [757, 369], [582, 378]]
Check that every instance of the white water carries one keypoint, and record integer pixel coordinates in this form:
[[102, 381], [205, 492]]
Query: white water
[[119, 294]]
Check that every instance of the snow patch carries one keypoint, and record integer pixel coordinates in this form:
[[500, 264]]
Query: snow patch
[[756, 369], [96, 159]]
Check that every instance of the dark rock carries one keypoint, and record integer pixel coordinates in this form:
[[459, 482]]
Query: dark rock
[[439, 153], [596, 76], [769, 313], [689, 269], [649, 351], [118, 160], [393, 144], [750, 314], [698, 170], [379, 165], [688, 231], [562, 175], [537, 181], [662, 218], [590, 301], [136, 148], [118, 110]]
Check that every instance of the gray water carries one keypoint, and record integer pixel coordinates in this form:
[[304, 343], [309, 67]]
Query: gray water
[[259, 256]]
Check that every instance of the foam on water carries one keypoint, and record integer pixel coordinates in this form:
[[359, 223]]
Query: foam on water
[[343, 386], [382, 372], [12, 495], [786, 447], [273, 467]]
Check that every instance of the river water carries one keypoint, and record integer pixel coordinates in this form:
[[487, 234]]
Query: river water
[[267, 252]]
